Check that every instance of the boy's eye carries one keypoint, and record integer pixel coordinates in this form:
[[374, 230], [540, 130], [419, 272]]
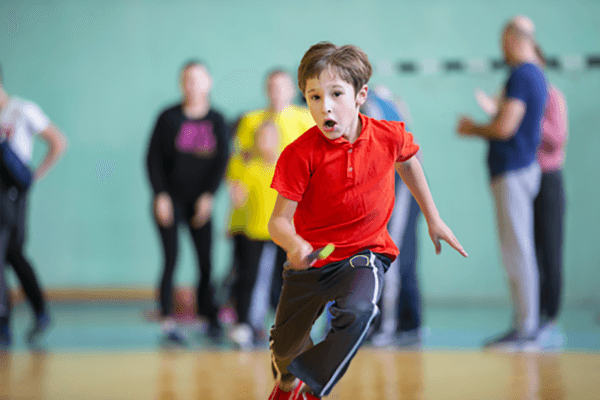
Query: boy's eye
[[315, 97], [337, 94]]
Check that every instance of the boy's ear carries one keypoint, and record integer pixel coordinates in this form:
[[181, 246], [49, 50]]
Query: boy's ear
[[361, 96]]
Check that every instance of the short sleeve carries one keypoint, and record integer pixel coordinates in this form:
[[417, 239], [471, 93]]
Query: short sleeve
[[406, 144], [517, 86], [292, 174], [38, 121]]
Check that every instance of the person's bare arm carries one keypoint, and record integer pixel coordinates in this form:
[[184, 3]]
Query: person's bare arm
[[57, 144], [283, 232], [504, 125], [487, 103]]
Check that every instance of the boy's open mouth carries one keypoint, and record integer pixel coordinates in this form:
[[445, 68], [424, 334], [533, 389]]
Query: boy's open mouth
[[329, 125]]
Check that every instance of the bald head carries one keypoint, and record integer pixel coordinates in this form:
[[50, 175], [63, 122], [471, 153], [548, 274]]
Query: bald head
[[522, 25], [518, 41]]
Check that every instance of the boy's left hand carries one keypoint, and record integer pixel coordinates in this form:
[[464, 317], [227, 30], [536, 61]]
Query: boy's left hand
[[439, 231]]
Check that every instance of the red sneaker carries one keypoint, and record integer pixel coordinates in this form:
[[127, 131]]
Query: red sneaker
[[278, 394], [307, 396]]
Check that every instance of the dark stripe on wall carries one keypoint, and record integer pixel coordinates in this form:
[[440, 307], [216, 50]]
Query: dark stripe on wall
[[593, 61], [407, 67], [553, 63], [454, 65]]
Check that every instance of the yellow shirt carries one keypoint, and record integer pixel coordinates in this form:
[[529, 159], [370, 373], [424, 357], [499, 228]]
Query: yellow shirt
[[261, 198], [292, 122], [253, 218], [235, 172]]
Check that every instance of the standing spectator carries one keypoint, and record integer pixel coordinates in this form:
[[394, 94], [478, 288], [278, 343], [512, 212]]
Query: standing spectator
[[186, 162], [252, 200], [549, 205], [513, 136], [20, 122], [290, 121]]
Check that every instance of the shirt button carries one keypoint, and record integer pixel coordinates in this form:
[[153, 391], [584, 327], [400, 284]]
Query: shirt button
[[350, 151], [350, 169]]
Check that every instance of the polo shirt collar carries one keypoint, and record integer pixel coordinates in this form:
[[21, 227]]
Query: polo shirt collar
[[364, 133]]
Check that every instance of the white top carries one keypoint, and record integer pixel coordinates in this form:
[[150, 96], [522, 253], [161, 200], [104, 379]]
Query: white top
[[20, 121]]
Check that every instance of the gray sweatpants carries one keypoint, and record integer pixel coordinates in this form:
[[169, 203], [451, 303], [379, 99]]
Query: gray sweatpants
[[514, 193]]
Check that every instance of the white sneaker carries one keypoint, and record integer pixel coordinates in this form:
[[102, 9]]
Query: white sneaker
[[412, 338], [513, 342], [551, 337], [242, 335], [171, 334], [382, 339]]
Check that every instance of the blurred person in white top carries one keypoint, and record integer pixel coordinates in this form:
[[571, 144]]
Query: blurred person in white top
[[21, 121]]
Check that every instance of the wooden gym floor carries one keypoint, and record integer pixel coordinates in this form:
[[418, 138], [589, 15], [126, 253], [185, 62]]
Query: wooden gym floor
[[109, 351]]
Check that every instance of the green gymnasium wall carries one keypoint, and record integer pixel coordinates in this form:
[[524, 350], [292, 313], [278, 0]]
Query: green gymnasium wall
[[102, 70]]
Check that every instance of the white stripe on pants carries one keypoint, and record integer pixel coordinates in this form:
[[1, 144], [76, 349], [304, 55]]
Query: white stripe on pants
[[514, 194]]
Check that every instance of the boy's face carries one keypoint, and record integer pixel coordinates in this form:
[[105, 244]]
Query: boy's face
[[334, 105]]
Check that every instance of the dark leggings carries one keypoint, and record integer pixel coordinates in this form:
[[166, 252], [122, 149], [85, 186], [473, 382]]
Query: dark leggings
[[549, 211], [202, 239], [14, 255], [4, 295], [248, 254]]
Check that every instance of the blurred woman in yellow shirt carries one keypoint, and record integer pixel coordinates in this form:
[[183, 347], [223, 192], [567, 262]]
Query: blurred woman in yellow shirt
[[260, 138]]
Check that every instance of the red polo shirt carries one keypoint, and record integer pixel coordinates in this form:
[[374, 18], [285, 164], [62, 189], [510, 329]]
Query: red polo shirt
[[345, 191]]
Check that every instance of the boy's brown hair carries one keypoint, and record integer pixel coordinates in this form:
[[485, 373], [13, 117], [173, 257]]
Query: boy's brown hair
[[349, 62]]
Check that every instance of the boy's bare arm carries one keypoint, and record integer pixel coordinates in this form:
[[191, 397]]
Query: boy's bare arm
[[283, 232], [412, 175]]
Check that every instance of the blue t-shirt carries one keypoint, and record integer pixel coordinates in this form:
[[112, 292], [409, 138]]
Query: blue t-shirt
[[528, 84], [379, 108]]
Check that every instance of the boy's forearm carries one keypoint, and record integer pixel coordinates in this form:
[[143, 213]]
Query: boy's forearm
[[283, 233], [412, 175]]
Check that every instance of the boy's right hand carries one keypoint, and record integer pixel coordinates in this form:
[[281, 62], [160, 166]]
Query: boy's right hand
[[163, 210], [298, 256]]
